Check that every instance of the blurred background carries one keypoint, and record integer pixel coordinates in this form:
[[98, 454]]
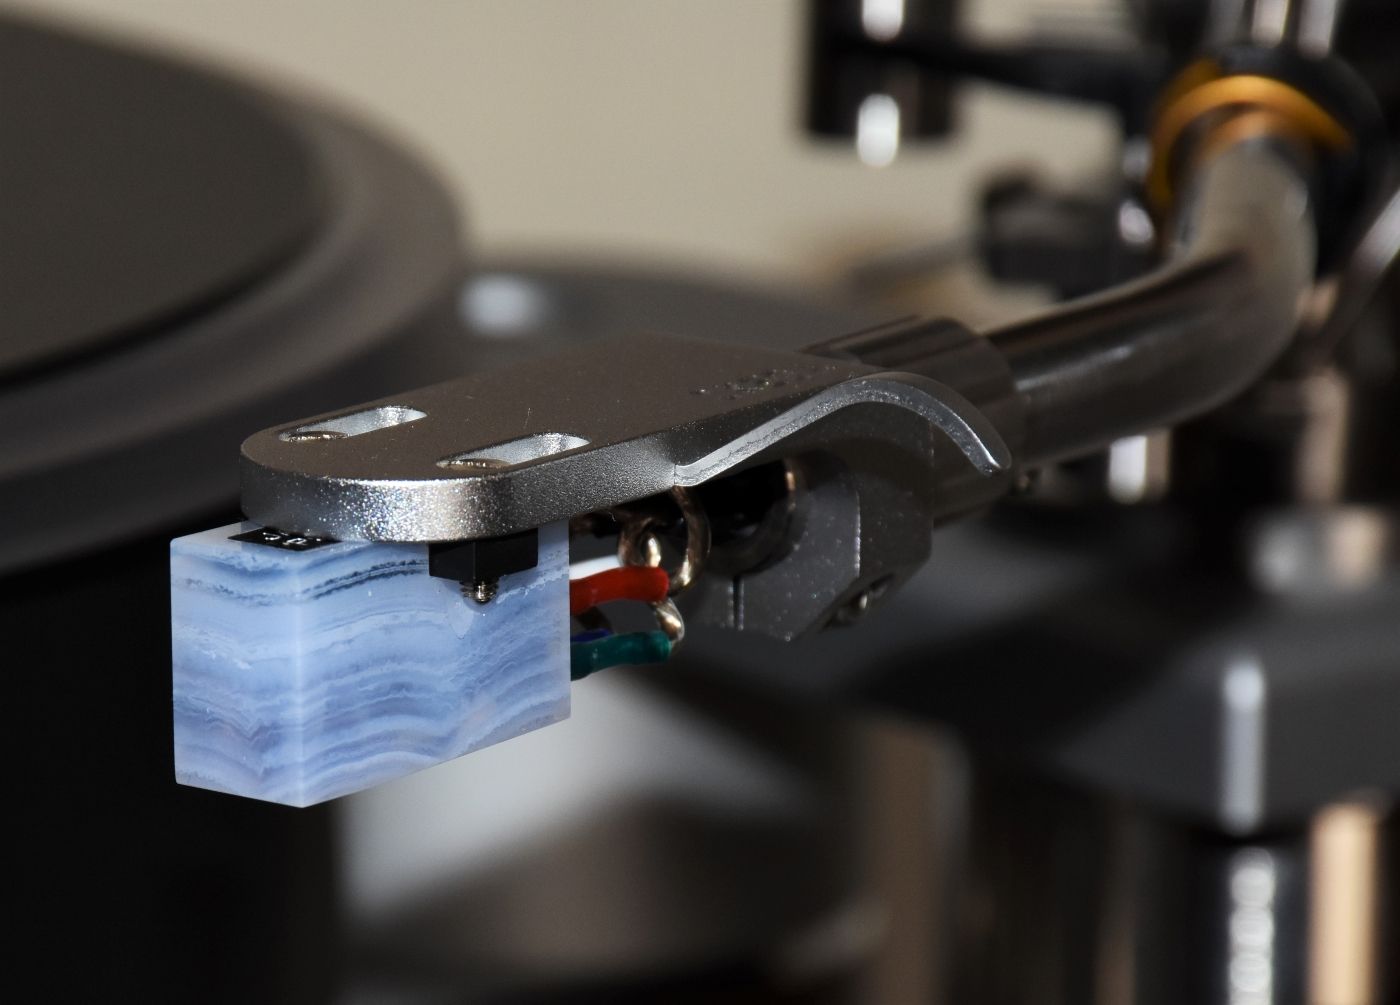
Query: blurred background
[[706, 836], [629, 130]]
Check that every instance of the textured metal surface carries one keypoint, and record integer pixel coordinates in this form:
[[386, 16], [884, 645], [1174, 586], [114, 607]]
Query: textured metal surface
[[654, 413]]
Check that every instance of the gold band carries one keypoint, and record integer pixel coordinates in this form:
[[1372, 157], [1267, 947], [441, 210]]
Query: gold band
[[1290, 110]]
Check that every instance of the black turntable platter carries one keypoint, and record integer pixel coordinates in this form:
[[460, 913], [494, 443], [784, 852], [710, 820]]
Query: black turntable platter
[[134, 192]]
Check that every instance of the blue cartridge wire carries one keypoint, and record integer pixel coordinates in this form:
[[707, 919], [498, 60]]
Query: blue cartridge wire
[[590, 635]]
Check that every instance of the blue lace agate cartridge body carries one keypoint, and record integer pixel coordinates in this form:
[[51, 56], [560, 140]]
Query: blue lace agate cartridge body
[[302, 675]]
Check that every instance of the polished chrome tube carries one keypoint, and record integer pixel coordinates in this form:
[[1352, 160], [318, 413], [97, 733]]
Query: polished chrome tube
[[1186, 338]]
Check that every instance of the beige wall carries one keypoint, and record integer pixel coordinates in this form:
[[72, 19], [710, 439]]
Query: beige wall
[[657, 127]]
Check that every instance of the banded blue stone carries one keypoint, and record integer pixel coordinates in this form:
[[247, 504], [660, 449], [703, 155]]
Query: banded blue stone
[[300, 676]]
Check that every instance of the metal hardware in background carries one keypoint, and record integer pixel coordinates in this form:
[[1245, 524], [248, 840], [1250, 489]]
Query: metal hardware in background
[[864, 97], [1365, 274]]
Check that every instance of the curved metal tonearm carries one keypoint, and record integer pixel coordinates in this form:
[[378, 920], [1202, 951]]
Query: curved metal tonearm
[[1185, 338]]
